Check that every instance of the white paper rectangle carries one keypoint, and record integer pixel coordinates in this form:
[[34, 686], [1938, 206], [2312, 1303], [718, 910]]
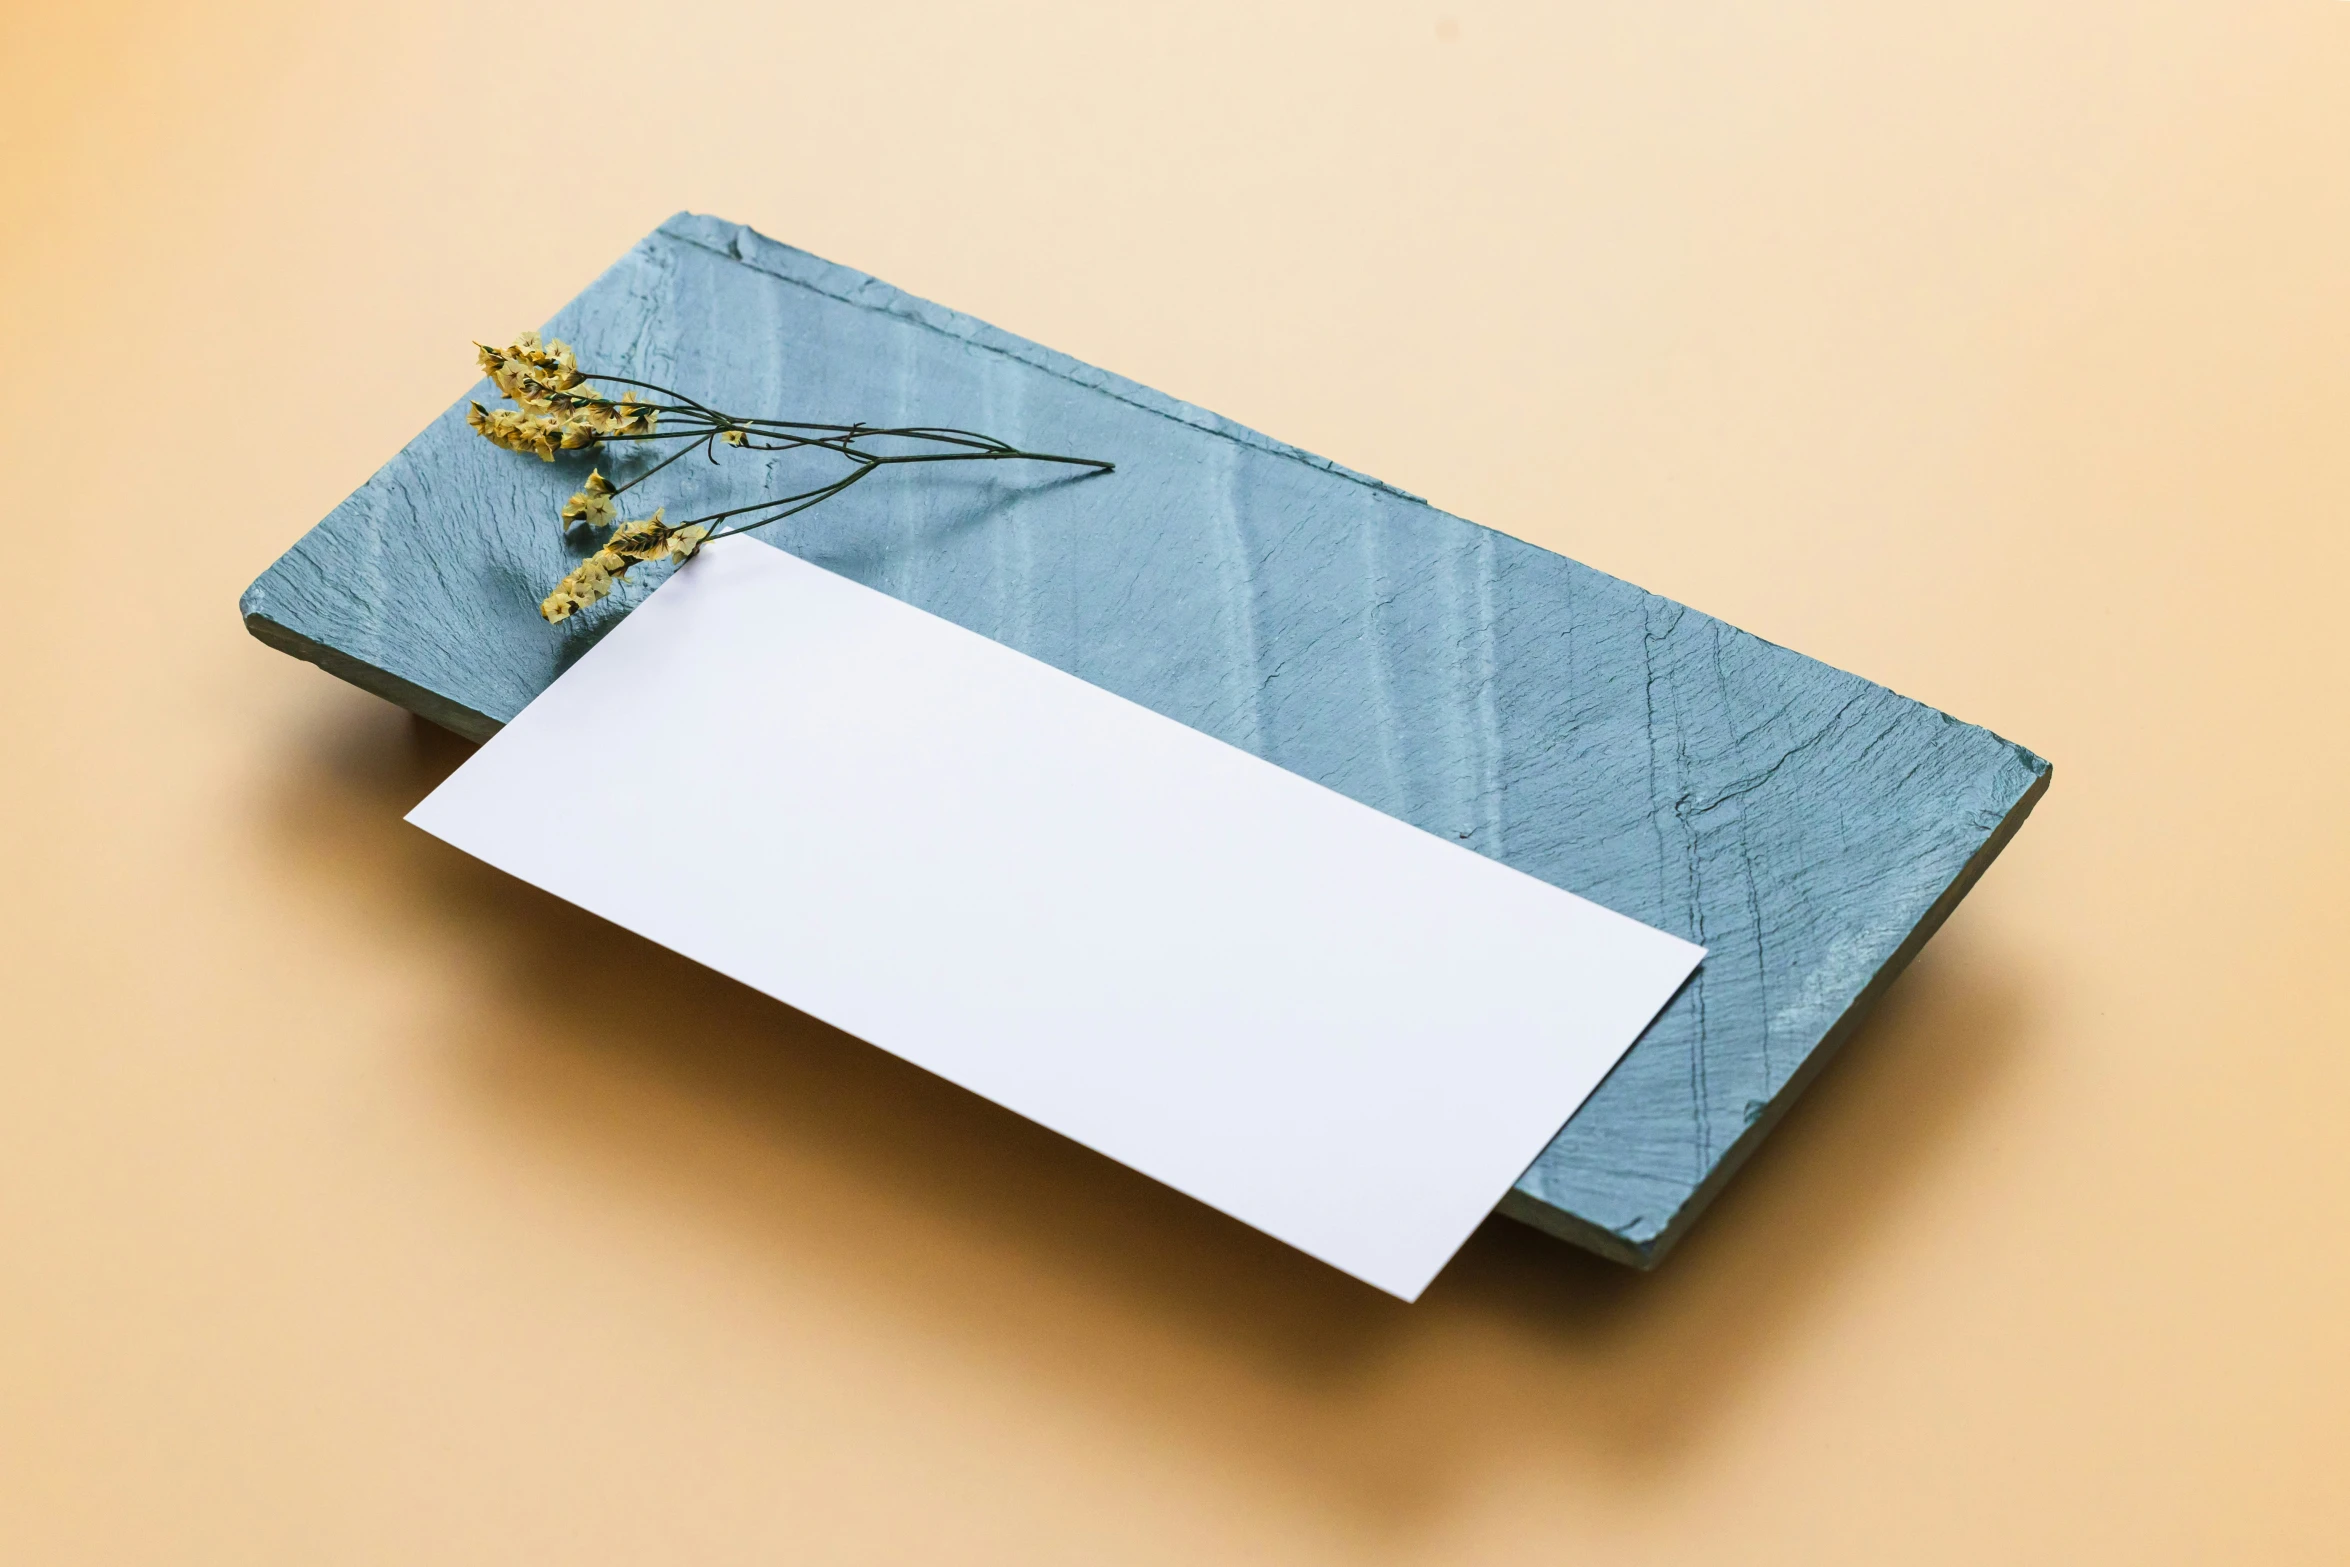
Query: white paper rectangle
[[1341, 1029]]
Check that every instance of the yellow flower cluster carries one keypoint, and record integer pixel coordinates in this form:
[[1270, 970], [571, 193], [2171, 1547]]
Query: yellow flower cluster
[[529, 371], [590, 505], [650, 539], [536, 435], [560, 411]]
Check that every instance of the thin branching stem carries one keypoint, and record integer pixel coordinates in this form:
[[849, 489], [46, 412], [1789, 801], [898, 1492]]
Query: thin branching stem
[[696, 426], [663, 390], [649, 472], [703, 427]]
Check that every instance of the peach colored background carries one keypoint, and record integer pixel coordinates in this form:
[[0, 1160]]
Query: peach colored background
[[358, 1206]]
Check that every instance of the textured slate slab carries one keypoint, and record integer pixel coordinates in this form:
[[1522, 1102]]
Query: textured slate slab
[[1810, 828]]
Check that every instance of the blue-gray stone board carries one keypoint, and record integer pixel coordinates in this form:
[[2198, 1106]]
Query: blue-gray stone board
[[1808, 827]]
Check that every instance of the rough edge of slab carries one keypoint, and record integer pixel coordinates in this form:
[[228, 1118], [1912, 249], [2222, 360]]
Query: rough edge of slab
[[1516, 1204], [455, 717]]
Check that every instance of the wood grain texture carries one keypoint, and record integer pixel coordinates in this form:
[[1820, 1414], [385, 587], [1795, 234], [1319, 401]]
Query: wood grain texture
[[1810, 828]]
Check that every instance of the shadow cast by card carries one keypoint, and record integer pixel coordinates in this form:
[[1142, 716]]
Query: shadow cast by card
[[625, 1064]]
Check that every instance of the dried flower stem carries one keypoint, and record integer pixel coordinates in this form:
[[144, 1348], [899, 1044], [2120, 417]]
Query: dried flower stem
[[560, 412]]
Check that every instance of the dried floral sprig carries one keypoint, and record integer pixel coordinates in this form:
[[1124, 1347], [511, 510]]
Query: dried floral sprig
[[530, 371], [590, 504], [560, 411], [651, 539]]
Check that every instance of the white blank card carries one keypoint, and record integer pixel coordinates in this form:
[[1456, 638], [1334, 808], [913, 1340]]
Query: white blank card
[[1341, 1029]]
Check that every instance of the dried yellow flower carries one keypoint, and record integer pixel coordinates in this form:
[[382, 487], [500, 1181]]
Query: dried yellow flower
[[591, 504], [634, 417], [647, 539], [545, 378], [538, 435], [589, 581], [517, 432], [558, 410], [531, 372], [625, 417]]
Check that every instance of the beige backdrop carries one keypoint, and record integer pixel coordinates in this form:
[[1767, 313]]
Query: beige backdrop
[[359, 1206]]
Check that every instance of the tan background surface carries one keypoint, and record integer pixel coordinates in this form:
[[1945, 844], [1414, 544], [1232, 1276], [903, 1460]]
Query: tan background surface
[[359, 1206]]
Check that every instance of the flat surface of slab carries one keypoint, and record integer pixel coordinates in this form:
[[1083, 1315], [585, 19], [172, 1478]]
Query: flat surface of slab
[[1808, 827]]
